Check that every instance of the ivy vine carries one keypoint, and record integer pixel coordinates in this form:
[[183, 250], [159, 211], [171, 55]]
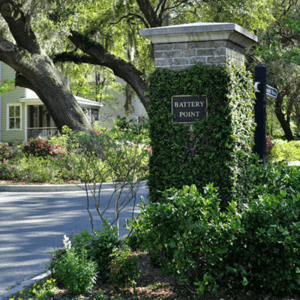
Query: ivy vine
[[220, 147]]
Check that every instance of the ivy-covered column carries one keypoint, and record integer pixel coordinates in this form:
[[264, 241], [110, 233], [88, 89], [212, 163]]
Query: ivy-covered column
[[200, 84]]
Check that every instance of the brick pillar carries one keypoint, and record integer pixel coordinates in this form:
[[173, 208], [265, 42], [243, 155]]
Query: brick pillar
[[182, 46]]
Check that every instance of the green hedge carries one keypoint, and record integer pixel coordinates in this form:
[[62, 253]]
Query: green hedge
[[256, 250], [285, 151], [220, 147]]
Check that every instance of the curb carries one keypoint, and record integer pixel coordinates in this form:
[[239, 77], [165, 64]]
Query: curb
[[57, 187], [23, 285], [74, 187]]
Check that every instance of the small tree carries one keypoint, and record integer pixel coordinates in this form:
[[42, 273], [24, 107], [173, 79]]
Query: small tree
[[117, 156]]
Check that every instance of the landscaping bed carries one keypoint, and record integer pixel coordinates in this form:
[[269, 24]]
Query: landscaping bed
[[248, 251], [152, 284]]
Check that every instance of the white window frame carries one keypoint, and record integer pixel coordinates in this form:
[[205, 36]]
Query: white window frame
[[7, 116]]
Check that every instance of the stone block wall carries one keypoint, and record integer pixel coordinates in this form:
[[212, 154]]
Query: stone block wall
[[179, 56]]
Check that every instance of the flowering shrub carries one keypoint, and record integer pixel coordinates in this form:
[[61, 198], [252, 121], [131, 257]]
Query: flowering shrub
[[43, 148], [75, 270], [6, 152], [146, 147], [66, 157]]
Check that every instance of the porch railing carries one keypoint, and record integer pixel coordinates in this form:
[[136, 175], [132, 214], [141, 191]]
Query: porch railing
[[43, 132]]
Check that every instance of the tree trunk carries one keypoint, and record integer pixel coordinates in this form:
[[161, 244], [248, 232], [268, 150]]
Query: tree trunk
[[280, 116]]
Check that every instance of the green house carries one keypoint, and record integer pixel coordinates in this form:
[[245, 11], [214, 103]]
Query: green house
[[23, 115]]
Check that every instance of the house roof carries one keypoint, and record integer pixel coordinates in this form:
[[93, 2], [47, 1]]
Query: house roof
[[81, 101]]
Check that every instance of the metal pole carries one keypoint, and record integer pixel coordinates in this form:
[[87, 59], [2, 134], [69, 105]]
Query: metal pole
[[260, 112]]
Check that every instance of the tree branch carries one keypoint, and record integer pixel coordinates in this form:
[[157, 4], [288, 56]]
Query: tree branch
[[19, 26], [158, 6], [38, 73], [132, 15], [149, 13], [75, 58], [121, 68], [163, 9]]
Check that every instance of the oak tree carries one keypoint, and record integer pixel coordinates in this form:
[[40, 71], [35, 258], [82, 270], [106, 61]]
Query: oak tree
[[35, 69], [102, 33]]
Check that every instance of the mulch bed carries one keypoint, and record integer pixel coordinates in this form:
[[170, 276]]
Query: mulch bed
[[152, 284]]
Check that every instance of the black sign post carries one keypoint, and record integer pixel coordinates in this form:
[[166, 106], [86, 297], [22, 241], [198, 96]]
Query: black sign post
[[260, 112]]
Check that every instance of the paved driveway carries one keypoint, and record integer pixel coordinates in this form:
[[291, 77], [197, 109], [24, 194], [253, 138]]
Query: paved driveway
[[32, 224]]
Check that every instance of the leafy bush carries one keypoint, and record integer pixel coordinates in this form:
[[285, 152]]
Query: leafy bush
[[123, 266], [125, 125], [274, 179], [190, 234], [76, 271], [205, 248], [43, 148], [132, 241], [99, 247], [269, 249], [269, 146], [285, 151], [114, 155], [31, 169]]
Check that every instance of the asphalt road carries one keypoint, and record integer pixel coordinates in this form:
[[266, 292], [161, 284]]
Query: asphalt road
[[32, 224]]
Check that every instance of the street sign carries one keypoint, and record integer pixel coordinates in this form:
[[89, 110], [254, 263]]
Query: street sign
[[272, 92]]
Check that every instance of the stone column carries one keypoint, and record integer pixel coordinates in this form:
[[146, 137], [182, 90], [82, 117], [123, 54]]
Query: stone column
[[182, 46]]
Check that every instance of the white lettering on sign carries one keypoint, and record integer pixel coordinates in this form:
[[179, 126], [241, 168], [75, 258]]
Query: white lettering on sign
[[189, 104], [189, 114], [188, 109]]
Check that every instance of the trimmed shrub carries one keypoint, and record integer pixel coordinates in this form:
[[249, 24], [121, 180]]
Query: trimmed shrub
[[205, 248], [190, 235]]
